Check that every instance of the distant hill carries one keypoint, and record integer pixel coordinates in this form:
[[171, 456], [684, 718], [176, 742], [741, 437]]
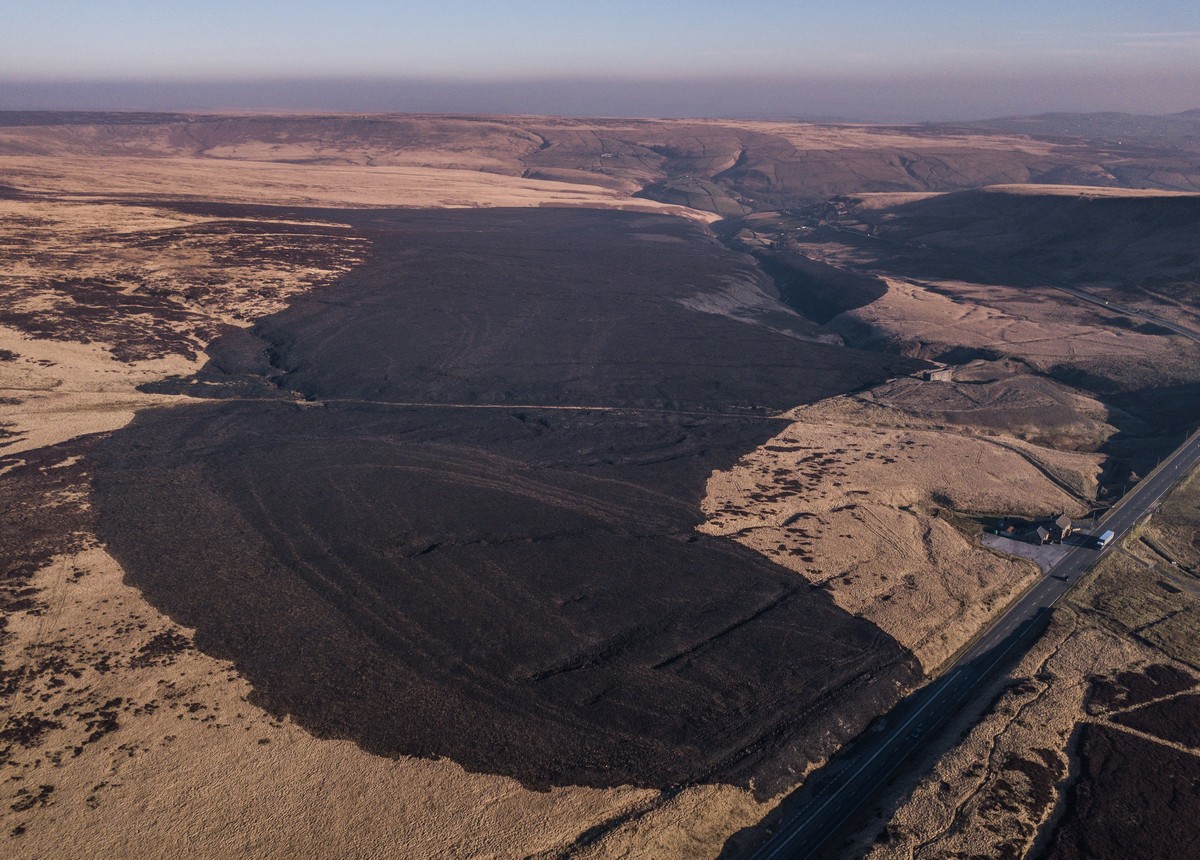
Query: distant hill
[[1178, 129], [726, 167]]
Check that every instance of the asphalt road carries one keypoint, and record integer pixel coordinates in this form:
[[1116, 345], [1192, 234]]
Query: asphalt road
[[1127, 311], [817, 811]]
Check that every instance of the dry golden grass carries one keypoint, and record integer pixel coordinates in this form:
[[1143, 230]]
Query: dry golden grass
[[875, 201], [255, 786], [55, 391], [868, 513], [266, 182], [1035, 415], [1029, 190], [990, 794], [100, 298], [823, 136], [1130, 247], [932, 317]]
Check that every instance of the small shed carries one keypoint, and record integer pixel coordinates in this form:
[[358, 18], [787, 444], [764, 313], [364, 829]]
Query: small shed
[[939, 374], [1063, 526], [1041, 535]]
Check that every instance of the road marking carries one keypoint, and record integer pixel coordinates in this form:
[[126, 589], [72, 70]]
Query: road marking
[[896, 734]]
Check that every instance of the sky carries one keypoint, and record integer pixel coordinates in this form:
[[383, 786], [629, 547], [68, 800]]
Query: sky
[[913, 59]]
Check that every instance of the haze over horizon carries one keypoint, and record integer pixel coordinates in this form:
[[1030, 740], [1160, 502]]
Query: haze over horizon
[[931, 59], [690, 431]]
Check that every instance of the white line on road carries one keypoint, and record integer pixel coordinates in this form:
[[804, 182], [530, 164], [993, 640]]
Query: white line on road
[[896, 734]]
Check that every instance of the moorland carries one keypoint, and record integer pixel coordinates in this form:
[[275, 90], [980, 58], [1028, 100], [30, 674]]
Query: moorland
[[570, 487]]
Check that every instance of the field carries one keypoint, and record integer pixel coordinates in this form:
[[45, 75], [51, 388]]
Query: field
[[870, 515]]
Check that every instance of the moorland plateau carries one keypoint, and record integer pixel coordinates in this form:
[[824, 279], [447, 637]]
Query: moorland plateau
[[566, 487]]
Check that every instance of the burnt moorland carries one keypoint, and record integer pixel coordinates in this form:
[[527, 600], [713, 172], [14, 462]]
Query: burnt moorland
[[447, 506], [1130, 800]]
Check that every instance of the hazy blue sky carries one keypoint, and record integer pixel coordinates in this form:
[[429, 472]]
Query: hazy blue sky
[[268, 53]]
